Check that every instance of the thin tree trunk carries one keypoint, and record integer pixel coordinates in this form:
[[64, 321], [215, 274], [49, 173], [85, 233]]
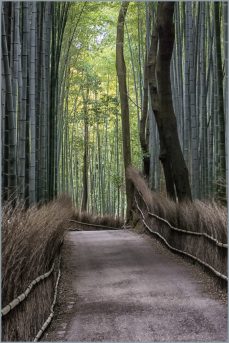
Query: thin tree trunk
[[32, 107], [221, 161], [121, 72], [85, 156], [22, 113], [143, 122], [10, 166]]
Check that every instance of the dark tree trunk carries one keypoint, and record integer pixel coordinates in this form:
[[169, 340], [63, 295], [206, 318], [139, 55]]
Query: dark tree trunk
[[10, 185], [85, 156], [165, 161], [59, 12], [175, 169], [143, 123], [156, 110], [221, 168], [121, 72]]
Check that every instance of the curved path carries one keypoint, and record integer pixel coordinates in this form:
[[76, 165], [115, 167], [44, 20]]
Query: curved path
[[122, 286]]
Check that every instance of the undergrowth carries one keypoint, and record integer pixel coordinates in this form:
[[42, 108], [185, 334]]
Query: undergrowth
[[198, 216], [202, 216], [31, 241], [106, 220]]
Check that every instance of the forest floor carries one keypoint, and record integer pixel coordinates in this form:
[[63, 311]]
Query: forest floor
[[123, 286]]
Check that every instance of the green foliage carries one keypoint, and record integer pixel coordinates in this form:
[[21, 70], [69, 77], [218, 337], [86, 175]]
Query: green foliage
[[88, 76], [91, 68]]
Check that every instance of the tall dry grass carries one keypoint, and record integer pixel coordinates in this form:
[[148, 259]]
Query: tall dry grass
[[105, 220], [31, 241], [198, 216]]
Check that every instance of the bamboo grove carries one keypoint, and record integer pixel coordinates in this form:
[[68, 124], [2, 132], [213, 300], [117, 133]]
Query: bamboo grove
[[32, 34], [61, 123]]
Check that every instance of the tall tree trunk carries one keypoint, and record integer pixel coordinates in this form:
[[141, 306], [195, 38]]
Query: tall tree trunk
[[203, 111], [143, 122], [164, 157], [85, 156], [166, 120], [225, 11], [32, 107], [121, 73], [43, 139], [10, 182], [59, 13], [221, 161], [192, 96], [22, 114]]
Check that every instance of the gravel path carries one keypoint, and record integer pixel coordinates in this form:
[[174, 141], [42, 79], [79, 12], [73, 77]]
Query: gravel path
[[122, 286]]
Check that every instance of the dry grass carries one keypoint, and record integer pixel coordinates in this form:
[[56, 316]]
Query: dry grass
[[106, 220], [31, 241], [205, 217], [141, 185]]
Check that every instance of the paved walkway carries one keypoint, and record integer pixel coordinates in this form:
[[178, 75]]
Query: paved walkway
[[121, 286]]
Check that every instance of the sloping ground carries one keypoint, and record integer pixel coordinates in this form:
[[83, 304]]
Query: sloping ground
[[121, 286]]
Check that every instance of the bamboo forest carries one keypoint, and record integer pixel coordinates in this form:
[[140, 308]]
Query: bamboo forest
[[61, 114], [114, 162]]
